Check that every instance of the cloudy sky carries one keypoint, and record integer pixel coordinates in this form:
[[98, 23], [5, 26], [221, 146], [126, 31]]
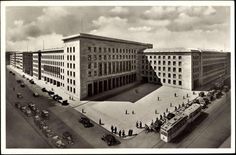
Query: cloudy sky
[[163, 26]]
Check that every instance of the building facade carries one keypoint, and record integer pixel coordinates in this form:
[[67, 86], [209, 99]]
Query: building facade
[[19, 60], [13, 59], [184, 68], [37, 65], [27, 63], [94, 64], [52, 67]]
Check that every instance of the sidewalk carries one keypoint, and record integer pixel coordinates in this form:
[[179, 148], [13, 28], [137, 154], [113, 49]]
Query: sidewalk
[[48, 86]]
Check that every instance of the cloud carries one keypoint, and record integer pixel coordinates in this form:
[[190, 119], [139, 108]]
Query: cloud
[[118, 10], [35, 43], [137, 29]]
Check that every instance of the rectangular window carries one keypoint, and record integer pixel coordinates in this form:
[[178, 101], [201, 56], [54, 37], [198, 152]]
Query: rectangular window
[[180, 76], [169, 75], [180, 83], [74, 74], [174, 63], [164, 80], [164, 74], [164, 69], [169, 57], [74, 49], [169, 81], [180, 57], [169, 69], [174, 82], [89, 57], [74, 57], [169, 63], [95, 49], [174, 69], [180, 63], [67, 49], [173, 57], [89, 49], [89, 74], [74, 90], [180, 70], [74, 82]]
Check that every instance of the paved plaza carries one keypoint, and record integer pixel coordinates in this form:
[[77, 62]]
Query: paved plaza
[[112, 111]]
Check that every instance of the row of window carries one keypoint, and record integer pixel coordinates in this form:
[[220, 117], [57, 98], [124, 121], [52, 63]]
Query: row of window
[[70, 81], [163, 62], [161, 57], [70, 73], [59, 57], [110, 57], [169, 69], [109, 50], [52, 81], [71, 65], [70, 49], [71, 89], [57, 63], [71, 57]]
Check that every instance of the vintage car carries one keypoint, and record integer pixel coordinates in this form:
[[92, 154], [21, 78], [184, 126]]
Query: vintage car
[[86, 122], [110, 140]]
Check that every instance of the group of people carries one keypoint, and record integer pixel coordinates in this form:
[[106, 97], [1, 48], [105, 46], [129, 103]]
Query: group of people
[[139, 124], [114, 130], [126, 112]]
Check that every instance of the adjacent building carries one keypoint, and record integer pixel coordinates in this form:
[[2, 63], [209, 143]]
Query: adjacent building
[[19, 60], [184, 68], [28, 63]]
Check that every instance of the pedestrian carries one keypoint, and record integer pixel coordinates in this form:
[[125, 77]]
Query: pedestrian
[[175, 94], [170, 104], [120, 133], [187, 94], [152, 122], [126, 112], [115, 130], [155, 111], [137, 124], [82, 110], [112, 128], [100, 121], [123, 133], [175, 108], [166, 109], [132, 112], [158, 98], [183, 97], [140, 124]]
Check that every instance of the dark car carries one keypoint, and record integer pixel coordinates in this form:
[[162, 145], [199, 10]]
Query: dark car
[[19, 95], [86, 122], [45, 114], [10, 71], [31, 81], [35, 94], [18, 81], [31, 106], [17, 105], [110, 140], [170, 115], [44, 89], [13, 74], [64, 103], [68, 137], [22, 85], [51, 93], [28, 112]]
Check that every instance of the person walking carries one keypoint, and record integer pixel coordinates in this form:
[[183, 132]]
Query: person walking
[[137, 124], [120, 133], [126, 112], [123, 133], [112, 128], [132, 112], [115, 130], [140, 124], [100, 121], [175, 95]]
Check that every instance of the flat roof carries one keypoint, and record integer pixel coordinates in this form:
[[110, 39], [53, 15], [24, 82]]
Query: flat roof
[[170, 123], [180, 49], [191, 109], [91, 36]]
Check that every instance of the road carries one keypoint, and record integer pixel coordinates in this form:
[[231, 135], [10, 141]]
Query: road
[[16, 119]]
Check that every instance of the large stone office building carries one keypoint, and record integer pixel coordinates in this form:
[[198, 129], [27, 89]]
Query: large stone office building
[[94, 64]]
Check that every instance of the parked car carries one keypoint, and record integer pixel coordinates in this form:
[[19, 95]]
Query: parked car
[[23, 76], [86, 122], [41, 124], [31, 105], [17, 105], [48, 133], [13, 74], [35, 94], [110, 140], [31, 81], [64, 103], [51, 93], [28, 112], [35, 110], [44, 89], [45, 114], [68, 137], [23, 108], [60, 144], [22, 84], [18, 81]]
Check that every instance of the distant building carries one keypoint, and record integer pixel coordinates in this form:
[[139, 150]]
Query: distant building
[[184, 68]]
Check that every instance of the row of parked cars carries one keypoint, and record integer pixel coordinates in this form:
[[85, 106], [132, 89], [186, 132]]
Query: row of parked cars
[[55, 97], [58, 141]]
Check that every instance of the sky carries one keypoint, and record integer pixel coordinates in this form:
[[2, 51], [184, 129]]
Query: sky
[[34, 28]]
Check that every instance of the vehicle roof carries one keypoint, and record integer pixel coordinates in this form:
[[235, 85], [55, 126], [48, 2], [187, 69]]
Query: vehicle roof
[[173, 121], [192, 108]]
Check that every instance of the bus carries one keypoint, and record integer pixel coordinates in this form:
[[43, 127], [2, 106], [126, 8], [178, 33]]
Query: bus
[[193, 112], [173, 127], [177, 124]]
